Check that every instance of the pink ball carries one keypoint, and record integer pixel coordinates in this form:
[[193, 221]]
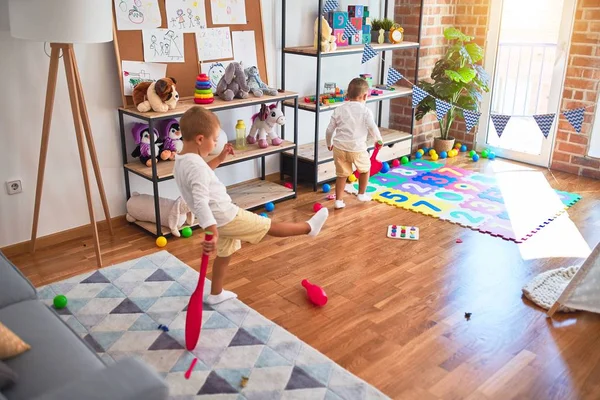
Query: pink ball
[[396, 163], [317, 207], [289, 185]]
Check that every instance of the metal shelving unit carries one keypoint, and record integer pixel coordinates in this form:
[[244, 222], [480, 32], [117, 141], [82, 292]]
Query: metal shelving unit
[[249, 195], [319, 168]]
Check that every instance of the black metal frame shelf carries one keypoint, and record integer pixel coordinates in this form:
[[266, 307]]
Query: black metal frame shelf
[[166, 168], [312, 167]]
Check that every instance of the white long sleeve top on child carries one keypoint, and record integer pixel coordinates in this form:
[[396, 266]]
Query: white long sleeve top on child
[[352, 123], [203, 192]]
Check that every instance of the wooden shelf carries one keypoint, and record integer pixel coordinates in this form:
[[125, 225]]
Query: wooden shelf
[[306, 152], [400, 91], [359, 48], [164, 169], [219, 104]]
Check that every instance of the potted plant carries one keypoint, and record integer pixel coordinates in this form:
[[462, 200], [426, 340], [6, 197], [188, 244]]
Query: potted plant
[[377, 24], [459, 80]]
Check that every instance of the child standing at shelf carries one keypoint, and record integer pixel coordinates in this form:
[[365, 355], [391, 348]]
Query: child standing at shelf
[[352, 123], [207, 197]]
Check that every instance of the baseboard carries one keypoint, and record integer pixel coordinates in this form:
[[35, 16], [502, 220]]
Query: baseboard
[[60, 237]]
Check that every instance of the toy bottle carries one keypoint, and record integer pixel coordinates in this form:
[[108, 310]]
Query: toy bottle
[[315, 294], [240, 135]]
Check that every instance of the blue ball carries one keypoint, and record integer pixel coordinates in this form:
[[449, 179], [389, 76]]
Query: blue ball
[[443, 154], [463, 148], [491, 156], [425, 150], [326, 188], [418, 155], [475, 157], [269, 207], [264, 215], [385, 167]]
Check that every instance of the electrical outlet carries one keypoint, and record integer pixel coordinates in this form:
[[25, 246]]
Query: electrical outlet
[[14, 187]]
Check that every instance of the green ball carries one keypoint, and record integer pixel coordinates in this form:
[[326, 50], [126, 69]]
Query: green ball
[[485, 154], [186, 232], [60, 301], [472, 153], [404, 160]]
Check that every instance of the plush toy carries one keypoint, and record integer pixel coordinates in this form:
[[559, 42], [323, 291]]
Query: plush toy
[[263, 124], [256, 85], [173, 213], [159, 96], [141, 135], [170, 139], [221, 142], [326, 38], [233, 83]]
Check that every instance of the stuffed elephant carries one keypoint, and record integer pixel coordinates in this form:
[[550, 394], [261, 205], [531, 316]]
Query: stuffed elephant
[[233, 83], [256, 85]]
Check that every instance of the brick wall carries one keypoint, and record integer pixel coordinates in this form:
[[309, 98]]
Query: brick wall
[[582, 84]]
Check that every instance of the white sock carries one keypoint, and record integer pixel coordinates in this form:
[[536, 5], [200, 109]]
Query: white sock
[[364, 197], [225, 295], [339, 204], [317, 221]]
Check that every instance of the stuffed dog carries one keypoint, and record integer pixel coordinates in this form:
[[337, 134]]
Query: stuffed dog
[[159, 96], [173, 213]]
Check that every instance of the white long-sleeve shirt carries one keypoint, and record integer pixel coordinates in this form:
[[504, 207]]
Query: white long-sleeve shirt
[[203, 192], [352, 122]]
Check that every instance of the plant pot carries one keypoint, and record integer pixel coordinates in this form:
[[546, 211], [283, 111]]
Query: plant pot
[[440, 144], [375, 37]]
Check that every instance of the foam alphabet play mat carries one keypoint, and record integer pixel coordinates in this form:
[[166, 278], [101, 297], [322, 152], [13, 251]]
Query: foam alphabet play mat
[[513, 204]]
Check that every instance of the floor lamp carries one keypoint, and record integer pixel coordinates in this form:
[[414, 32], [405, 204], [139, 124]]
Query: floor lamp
[[62, 23]]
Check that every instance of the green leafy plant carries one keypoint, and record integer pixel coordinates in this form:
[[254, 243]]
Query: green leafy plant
[[457, 79], [385, 23]]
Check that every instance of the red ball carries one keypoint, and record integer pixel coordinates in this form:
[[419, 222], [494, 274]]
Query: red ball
[[317, 207], [289, 185], [396, 163]]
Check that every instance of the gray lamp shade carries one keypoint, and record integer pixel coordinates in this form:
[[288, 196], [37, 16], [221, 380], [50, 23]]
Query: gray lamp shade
[[61, 21]]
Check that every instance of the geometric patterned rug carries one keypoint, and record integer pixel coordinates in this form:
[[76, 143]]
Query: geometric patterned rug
[[117, 310], [513, 205]]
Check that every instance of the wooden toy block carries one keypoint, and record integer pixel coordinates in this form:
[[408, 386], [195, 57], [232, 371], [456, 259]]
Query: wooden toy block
[[366, 29], [340, 39], [338, 19], [356, 38], [366, 38], [355, 11], [367, 21], [366, 12], [357, 22]]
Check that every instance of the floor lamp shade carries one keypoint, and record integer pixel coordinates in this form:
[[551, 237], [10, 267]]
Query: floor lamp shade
[[61, 21]]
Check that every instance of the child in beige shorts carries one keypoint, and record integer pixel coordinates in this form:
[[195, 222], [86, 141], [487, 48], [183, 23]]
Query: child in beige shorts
[[207, 197], [352, 123]]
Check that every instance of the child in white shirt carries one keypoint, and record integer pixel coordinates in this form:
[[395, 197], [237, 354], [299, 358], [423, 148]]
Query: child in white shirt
[[207, 197], [352, 123]]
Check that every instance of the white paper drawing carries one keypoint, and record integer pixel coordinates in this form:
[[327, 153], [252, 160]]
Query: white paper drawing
[[186, 15], [228, 12], [137, 14], [244, 48], [215, 71], [135, 72], [214, 44], [163, 45]]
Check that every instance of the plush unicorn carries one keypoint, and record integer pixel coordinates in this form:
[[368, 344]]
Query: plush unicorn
[[263, 124]]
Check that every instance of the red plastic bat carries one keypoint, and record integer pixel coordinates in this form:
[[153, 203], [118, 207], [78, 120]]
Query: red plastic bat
[[375, 165], [315, 293], [193, 320]]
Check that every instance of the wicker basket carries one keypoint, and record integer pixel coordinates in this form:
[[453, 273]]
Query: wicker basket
[[440, 144]]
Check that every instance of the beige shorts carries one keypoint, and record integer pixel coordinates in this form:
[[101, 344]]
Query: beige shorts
[[247, 227], [344, 160]]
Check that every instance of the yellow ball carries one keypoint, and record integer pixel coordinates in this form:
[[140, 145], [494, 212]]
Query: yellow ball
[[451, 153], [421, 151], [434, 157], [352, 178], [432, 152], [161, 241], [457, 145]]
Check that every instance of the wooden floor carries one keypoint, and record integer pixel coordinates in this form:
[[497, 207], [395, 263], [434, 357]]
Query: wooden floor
[[396, 309]]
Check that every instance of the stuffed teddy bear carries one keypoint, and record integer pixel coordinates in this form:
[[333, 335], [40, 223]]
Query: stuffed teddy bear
[[170, 140], [173, 213], [256, 85], [141, 135], [263, 124], [326, 38], [159, 96], [233, 83]]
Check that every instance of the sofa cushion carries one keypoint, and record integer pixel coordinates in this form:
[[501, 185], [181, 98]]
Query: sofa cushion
[[11, 345], [7, 376], [57, 354], [14, 287]]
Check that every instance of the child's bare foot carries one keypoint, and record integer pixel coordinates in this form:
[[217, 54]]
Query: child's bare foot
[[317, 221], [225, 295]]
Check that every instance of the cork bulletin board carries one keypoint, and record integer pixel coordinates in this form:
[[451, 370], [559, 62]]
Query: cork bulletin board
[[129, 47]]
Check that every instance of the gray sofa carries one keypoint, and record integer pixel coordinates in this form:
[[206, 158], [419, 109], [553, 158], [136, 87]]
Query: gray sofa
[[60, 366]]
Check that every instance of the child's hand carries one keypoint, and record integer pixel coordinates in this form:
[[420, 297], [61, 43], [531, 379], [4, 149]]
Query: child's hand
[[227, 150], [209, 246], [330, 148]]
